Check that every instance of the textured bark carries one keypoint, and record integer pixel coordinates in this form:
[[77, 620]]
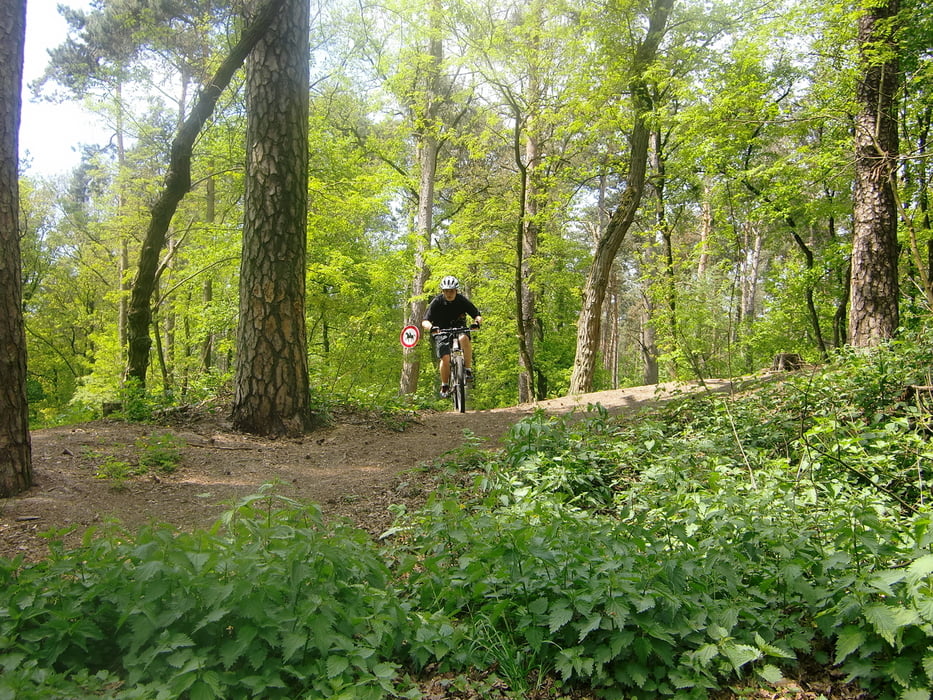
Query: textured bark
[[581, 379], [874, 315], [424, 225], [15, 448], [177, 185], [271, 379]]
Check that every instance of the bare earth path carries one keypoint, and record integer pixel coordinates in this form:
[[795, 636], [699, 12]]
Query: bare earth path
[[355, 469]]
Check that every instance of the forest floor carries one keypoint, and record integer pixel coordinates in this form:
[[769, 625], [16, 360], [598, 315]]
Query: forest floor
[[355, 469]]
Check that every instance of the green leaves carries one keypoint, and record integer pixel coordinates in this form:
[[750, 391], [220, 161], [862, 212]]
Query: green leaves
[[278, 605], [725, 551]]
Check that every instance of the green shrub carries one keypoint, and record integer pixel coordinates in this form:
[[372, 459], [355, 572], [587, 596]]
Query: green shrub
[[275, 605]]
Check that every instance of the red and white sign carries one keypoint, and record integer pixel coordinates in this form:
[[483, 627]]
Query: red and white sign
[[410, 336]]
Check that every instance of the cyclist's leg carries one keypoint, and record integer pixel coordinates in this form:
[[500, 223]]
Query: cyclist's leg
[[445, 368], [442, 346], [467, 346]]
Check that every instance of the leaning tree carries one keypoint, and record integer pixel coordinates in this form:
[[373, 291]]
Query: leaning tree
[[584, 365]]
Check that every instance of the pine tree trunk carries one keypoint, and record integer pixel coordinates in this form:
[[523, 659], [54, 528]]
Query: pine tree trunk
[[271, 392], [15, 447], [874, 315], [177, 184]]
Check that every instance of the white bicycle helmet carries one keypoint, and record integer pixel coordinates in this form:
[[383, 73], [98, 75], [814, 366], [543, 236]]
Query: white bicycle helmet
[[450, 282]]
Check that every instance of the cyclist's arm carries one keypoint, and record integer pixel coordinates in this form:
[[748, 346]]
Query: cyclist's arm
[[428, 321]]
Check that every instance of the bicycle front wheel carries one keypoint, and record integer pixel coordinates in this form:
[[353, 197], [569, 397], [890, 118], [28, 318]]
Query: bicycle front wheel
[[458, 384]]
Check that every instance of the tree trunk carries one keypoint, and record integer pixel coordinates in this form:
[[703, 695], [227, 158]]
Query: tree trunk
[[125, 287], [609, 325], [425, 114], [581, 379], [207, 286], [812, 312], [648, 344], [424, 224], [528, 241], [749, 272], [706, 228], [177, 184], [15, 447], [271, 391], [658, 180], [874, 315]]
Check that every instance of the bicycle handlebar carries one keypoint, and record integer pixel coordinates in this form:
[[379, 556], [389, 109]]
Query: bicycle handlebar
[[454, 331]]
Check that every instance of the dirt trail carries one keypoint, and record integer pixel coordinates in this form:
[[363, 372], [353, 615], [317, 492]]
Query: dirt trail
[[355, 469]]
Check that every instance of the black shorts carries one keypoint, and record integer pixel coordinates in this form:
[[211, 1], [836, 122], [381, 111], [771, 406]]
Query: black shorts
[[444, 341]]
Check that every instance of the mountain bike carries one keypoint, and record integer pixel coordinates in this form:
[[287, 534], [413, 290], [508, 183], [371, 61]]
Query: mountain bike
[[458, 379]]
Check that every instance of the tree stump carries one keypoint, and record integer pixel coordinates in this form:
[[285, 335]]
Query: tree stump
[[108, 408], [921, 396], [786, 362]]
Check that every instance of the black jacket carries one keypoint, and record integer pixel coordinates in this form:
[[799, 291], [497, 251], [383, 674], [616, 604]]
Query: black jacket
[[450, 314]]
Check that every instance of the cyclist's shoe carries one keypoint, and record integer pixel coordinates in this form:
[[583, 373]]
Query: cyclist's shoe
[[468, 373], [445, 391]]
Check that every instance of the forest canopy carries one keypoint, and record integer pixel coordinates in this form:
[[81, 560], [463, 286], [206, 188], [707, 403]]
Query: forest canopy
[[492, 141]]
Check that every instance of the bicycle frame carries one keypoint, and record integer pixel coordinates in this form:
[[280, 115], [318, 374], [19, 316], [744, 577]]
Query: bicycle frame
[[458, 382]]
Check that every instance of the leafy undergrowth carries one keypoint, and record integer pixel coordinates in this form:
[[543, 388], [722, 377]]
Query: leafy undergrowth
[[720, 547]]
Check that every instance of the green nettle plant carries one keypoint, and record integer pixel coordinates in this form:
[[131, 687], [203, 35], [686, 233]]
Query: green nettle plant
[[272, 604]]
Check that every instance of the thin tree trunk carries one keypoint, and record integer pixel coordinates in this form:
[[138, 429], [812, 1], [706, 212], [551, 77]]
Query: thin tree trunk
[[659, 183], [649, 348], [529, 245], [425, 114], [609, 326], [207, 286], [581, 379], [812, 312], [15, 446], [809, 262], [125, 287], [526, 362], [750, 271], [706, 228], [411, 357]]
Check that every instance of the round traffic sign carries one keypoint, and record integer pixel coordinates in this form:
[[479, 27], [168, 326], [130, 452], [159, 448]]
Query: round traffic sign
[[410, 336]]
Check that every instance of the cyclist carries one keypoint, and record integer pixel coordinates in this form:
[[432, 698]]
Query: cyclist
[[449, 309]]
